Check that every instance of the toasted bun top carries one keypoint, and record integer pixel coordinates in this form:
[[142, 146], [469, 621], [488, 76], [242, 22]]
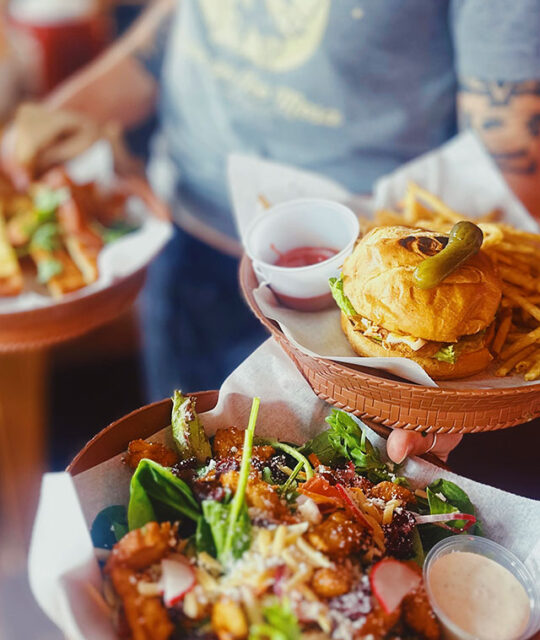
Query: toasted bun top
[[378, 280]]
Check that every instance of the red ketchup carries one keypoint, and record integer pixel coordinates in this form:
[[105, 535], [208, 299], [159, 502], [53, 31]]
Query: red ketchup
[[304, 257]]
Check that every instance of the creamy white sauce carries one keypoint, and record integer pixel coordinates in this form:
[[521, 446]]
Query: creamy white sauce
[[479, 595]]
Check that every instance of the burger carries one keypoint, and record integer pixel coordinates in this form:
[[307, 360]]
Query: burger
[[446, 329]]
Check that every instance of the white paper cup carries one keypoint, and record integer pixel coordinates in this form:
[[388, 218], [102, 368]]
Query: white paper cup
[[500, 555], [305, 222]]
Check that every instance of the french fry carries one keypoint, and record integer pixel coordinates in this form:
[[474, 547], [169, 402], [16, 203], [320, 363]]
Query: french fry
[[68, 278], [523, 302], [414, 210], [518, 345], [435, 203], [511, 260], [11, 279], [518, 233], [516, 254], [511, 362], [502, 333], [534, 371], [518, 247], [84, 255], [514, 276], [436, 223], [524, 365], [490, 334], [493, 235], [410, 212], [263, 201]]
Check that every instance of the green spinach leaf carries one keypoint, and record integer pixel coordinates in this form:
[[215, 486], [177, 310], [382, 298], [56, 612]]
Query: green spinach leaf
[[156, 494], [204, 540], [321, 446], [216, 516], [117, 230], [109, 526], [444, 496]]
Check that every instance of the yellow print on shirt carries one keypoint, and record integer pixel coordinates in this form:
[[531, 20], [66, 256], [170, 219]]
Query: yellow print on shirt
[[288, 101], [288, 37]]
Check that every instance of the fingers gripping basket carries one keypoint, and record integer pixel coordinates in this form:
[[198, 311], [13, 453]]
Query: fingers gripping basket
[[389, 401]]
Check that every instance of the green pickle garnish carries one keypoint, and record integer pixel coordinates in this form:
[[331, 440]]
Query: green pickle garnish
[[464, 241]]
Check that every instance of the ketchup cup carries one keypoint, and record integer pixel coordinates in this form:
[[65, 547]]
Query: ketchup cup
[[305, 222]]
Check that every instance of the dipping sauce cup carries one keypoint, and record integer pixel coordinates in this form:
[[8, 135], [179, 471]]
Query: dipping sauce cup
[[302, 223], [480, 590]]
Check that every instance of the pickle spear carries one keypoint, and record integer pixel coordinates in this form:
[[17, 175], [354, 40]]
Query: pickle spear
[[465, 240]]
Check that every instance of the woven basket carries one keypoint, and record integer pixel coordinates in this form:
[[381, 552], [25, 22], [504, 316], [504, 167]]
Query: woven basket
[[390, 401], [144, 422], [67, 319]]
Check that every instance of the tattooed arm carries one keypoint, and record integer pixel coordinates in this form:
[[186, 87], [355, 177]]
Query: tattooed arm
[[506, 115], [118, 85]]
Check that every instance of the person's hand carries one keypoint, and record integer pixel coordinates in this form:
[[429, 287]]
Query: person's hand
[[40, 138], [402, 444]]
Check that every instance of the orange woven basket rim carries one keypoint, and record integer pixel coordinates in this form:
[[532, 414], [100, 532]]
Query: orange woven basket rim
[[114, 438], [247, 277], [67, 300]]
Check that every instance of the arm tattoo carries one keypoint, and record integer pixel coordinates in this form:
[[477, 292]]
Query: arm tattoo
[[500, 93], [507, 117]]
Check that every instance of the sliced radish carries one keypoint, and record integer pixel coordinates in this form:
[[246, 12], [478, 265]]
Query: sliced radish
[[440, 519], [177, 578], [391, 581], [350, 505]]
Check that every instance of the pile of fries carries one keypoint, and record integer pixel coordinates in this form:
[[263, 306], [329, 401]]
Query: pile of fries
[[516, 335], [51, 235]]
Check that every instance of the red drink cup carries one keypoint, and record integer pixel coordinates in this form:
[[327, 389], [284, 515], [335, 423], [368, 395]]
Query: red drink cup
[[57, 37]]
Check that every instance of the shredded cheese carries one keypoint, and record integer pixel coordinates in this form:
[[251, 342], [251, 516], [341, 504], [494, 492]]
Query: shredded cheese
[[388, 513], [316, 557]]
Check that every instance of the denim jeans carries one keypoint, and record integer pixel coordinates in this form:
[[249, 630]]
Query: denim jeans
[[196, 327]]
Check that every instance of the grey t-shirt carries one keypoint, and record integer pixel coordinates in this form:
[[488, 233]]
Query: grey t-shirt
[[348, 88]]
